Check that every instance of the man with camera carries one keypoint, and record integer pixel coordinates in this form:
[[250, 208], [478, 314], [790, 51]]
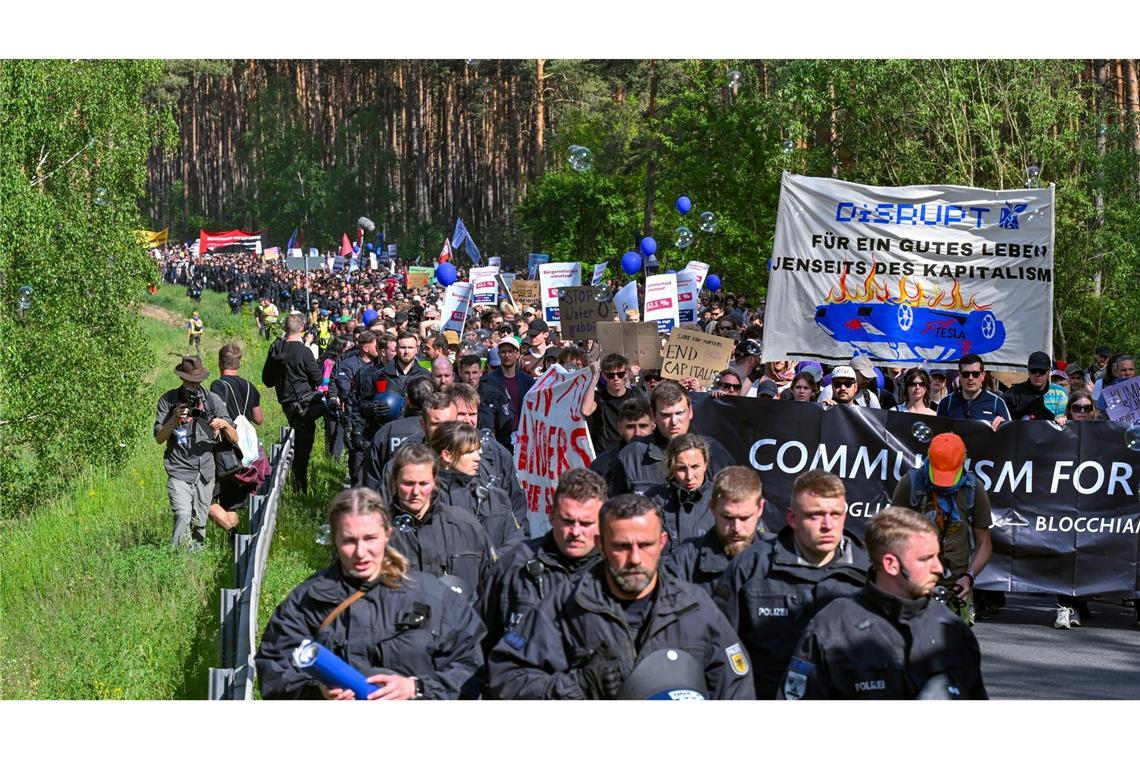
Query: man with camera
[[190, 421]]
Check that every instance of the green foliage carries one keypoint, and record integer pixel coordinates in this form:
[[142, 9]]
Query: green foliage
[[94, 603], [72, 172]]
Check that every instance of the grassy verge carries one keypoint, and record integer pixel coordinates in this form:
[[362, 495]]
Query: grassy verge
[[94, 604]]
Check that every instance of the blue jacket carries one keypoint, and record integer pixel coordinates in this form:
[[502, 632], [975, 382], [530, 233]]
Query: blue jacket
[[984, 407]]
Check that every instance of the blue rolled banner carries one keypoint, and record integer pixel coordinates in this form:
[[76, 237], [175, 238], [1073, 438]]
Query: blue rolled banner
[[331, 670]]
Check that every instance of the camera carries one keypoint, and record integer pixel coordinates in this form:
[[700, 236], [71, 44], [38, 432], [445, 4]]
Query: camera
[[195, 399]]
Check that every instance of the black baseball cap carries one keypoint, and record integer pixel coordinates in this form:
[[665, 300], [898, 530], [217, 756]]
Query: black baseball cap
[[1102, 351], [1040, 360]]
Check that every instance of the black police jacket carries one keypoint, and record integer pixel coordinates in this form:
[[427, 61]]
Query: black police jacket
[[488, 503], [448, 541], [769, 595], [495, 412], [382, 446], [541, 658], [420, 629], [880, 646], [640, 465], [398, 381], [701, 560], [534, 570], [687, 514]]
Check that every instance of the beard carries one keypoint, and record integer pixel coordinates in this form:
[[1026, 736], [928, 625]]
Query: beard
[[632, 580], [733, 546]]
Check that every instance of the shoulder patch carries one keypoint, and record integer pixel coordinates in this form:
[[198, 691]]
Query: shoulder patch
[[514, 640], [737, 659], [795, 681]]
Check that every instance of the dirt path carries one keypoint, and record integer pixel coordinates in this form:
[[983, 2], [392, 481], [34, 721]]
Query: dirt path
[[157, 312]]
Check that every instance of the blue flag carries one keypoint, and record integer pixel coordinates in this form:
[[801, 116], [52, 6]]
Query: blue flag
[[459, 236], [292, 239]]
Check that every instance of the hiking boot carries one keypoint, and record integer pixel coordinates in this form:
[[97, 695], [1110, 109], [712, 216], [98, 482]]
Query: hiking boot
[[1064, 617]]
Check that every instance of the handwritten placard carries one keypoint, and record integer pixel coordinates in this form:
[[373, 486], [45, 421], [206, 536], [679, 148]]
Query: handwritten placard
[[692, 353]]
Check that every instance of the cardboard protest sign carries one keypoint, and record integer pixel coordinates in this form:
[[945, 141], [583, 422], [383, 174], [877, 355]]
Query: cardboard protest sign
[[552, 277], [525, 292], [580, 310], [693, 353], [661, 301], [485, 286], [626, 299], [419, 277], [1122, 400], [636, 341], [552, 438], [456, 302]]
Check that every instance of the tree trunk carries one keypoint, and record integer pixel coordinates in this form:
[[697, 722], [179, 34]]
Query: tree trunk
[[651, 164], [1100, 73]]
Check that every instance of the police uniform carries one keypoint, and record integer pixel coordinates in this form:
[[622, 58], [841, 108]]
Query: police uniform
[[495, 412], [543, 657], [880, 646], [447, 541], [640, 465], [687, 514], [420, 629], [488, 503], [534, 570], [769, 593], [701, 560]]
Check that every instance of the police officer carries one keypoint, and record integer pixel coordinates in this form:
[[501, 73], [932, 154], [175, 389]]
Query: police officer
[[436, 409], [770, 592], [344, 375], [891, 641], [539, 566], [372, 610], [494, 405], [737, 504], [404, 366], [394, 434], [585, 638], [458, 484], [436, 538], [641, 464]]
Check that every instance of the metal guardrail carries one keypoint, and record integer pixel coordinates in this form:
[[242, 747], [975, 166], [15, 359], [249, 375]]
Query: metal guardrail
[[234, 679]]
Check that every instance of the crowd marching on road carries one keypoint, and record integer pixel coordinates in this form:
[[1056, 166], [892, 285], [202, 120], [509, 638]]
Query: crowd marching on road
[[657, 577]]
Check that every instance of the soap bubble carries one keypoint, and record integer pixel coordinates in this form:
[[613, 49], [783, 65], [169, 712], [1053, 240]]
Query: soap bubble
[[24, 298], [601, 294], [324, 535], [734, 77], [1132, 437], [789, 146], [101, 196], [562, 292], [683, 237], [922, 432], [708, 221], [581, 158]]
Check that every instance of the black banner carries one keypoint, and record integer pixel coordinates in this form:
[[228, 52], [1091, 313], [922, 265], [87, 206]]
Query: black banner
[[1065, 501]]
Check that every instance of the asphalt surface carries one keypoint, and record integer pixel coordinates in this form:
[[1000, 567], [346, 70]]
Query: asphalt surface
[[1025, 657]]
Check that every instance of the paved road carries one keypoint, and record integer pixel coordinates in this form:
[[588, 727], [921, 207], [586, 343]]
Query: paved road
[[1025, 657]]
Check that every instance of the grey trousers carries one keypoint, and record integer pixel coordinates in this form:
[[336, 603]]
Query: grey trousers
[[190, 503]]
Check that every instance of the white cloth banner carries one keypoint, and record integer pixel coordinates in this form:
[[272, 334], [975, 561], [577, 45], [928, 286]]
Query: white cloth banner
[[626, 299], [700, 269], [485, 287], [661, 301], [552, 438], [911, 275], [687, 291], [551, 277], [456, 302]]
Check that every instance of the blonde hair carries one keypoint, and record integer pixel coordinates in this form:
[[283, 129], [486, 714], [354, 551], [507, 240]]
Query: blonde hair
[[364, 501], [890, 528]]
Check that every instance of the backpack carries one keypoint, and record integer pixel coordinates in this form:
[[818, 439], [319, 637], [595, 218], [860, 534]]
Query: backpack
[[247, 434]]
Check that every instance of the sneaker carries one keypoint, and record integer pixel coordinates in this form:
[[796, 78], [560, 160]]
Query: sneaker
[[1062, 619], [1074, 618]]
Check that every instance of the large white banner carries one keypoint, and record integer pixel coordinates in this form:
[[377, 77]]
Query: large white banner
[[661, 301], [552, 277], [456, 302], [485, 286], [910, 275], [552, 438]]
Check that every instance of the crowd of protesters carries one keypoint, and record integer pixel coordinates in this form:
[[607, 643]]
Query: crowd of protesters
[[657, 547]]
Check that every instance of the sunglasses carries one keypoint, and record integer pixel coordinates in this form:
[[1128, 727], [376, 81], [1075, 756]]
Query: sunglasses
[[970, 375], [1038, 371], [1085, 408], [615, 375], [842, 383], [916, 384], [730, 386]]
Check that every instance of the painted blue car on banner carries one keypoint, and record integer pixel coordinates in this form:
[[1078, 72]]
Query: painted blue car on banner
[[900, 332]]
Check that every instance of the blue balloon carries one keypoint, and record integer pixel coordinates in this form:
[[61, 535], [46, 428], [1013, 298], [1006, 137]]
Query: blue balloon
[[648, 246], [631, 262], [356, 248], [672, 271], [445, 273], [368, 246], [380, 236], [683, 204], [712, 282]]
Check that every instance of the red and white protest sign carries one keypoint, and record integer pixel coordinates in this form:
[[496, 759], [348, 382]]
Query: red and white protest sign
[[661, 301]]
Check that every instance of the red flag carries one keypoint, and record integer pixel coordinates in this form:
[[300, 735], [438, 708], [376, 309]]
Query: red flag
[[345, 246], [445, 254], [360, 238]]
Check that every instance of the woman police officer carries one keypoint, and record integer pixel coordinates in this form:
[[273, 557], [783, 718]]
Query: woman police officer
[[371, 610]]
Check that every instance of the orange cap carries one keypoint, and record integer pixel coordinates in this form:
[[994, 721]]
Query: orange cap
[[947, 455]]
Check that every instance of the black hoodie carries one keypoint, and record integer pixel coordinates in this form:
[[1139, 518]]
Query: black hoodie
[[292, 370]]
